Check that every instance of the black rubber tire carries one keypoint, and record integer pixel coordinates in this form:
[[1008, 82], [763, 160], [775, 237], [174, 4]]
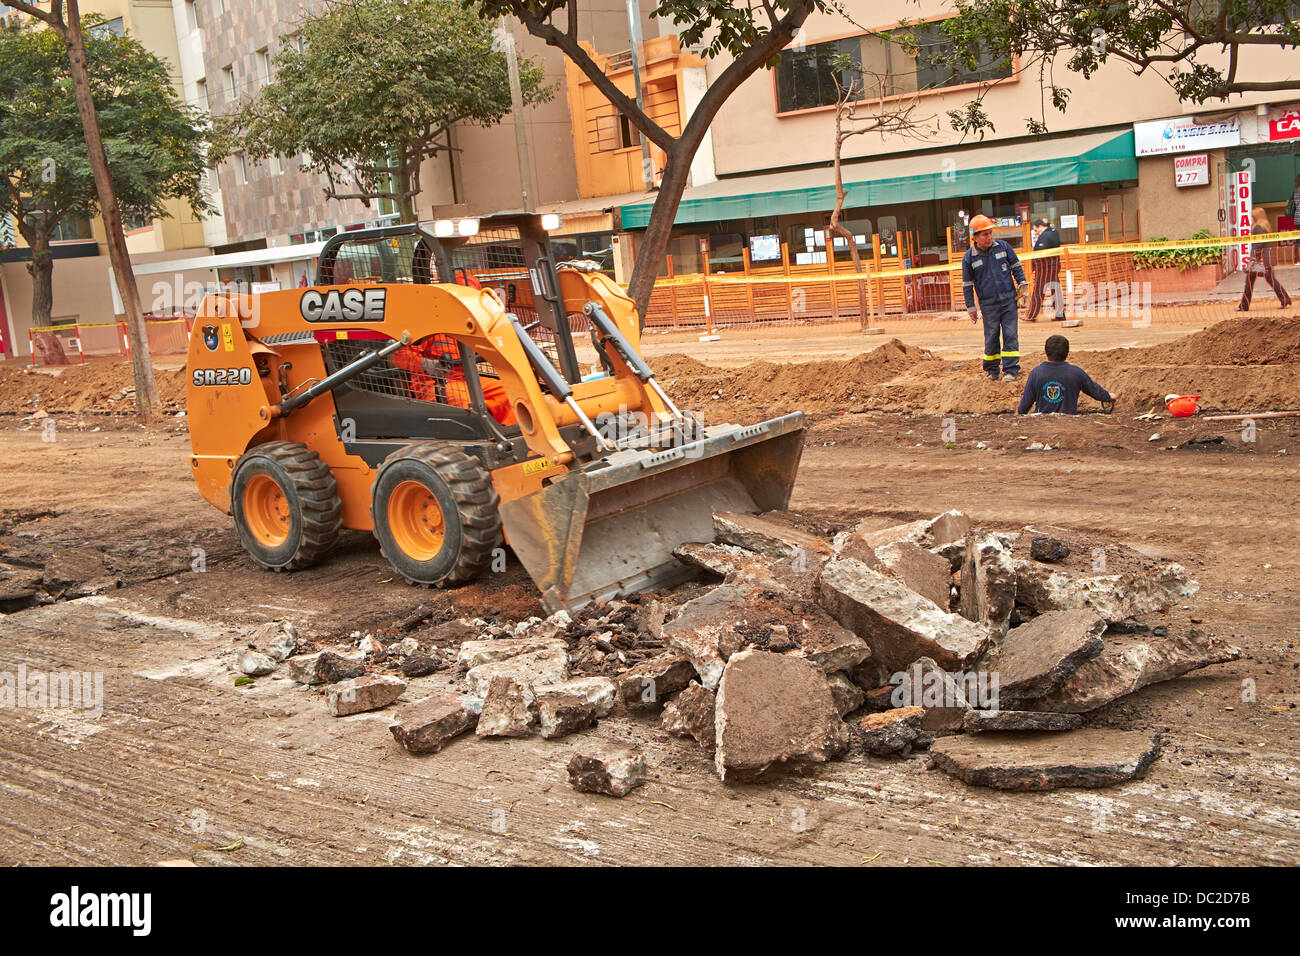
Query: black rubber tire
[[470, 511], [315, 511]]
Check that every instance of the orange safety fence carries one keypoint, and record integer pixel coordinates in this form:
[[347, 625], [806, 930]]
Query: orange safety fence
[[74, 342], [1180, 282]]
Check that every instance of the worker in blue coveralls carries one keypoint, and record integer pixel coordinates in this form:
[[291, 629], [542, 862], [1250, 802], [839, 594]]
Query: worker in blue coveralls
[[991, 271]]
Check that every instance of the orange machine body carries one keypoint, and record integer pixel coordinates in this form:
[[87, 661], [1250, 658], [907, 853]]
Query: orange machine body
[[249, 352]]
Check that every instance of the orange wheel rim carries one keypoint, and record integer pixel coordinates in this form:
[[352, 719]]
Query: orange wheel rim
[[415, 519], [266, 511]]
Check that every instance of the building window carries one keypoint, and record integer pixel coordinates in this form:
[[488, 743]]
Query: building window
[[72, 229], [264, 64], [243, 170], [203, 96], [230, 83], [615, 132], [192, 14], [220, 6], [805, 79], [276, 167]]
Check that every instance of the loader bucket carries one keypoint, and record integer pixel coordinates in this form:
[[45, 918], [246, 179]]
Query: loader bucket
[[611, 528]]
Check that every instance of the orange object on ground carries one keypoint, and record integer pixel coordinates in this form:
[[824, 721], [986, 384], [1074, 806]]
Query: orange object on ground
[[1182, 406], [453, 390]]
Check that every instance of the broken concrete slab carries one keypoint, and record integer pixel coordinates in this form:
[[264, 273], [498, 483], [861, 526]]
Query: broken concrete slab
[[692, 714], [832, 648], [507, 709], [1129, 662], [427, 726], [720, 559], [1115, 580], [474, 653], [774, 712], [988, 581], [945, 697], [848, 695], [325, 667], [547, 666], [361, 694], [889, 732], [898, 624], [1113, 596], [983, 721], [938, 532], [255, 664], [612, 769], [924, 572], [600, 692], [1038, 656], [647, 686], [563, 715], [1093, 757], [770, 534], [732, 616]]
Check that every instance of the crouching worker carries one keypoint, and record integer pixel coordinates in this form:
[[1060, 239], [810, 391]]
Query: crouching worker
[[1054, 386], [437, 376]]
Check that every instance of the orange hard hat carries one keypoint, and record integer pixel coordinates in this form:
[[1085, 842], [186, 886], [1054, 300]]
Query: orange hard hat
[[1182, 406], [980, 223]]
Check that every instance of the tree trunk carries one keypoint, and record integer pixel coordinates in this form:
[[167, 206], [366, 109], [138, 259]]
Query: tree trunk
[[405, 205], [654, 245], [41, 268], [147, 402]]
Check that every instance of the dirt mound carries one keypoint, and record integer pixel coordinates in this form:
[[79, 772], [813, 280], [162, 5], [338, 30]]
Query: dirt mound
[[1243, 341], [98, 387], [773, 388], [1237, 365]]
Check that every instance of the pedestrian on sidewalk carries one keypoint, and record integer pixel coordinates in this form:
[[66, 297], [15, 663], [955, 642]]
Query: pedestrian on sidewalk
[[1047, 272], [991, 271], [1262, 259]]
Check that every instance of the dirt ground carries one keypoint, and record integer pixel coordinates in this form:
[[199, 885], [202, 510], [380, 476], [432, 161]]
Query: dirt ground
[[184, 764]]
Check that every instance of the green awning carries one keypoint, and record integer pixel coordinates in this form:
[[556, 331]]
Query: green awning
[[941, 174]]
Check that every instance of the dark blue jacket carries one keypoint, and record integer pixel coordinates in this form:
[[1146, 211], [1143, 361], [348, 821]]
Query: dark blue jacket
[[1049, 238], [1055, 387], [992, 275]]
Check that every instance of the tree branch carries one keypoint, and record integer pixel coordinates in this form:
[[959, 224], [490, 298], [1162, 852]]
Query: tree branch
[[622, 102]]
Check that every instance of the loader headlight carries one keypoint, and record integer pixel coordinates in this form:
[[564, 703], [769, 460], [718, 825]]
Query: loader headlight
[[467, 227], [444, 228], [551, 221]]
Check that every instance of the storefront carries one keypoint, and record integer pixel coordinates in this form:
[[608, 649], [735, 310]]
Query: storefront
[[904, 209]]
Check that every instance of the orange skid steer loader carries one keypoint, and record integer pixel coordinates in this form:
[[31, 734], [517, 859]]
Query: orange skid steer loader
[[302, 422]]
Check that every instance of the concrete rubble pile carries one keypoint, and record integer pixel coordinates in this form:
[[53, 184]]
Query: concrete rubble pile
[[984, 649]]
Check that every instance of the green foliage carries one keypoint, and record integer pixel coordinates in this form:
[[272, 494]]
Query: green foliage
[[374, 92], [154, 141], [1188, 257], [1175, 39]]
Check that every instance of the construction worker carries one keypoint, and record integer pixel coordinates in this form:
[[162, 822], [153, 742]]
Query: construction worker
[[991, 271], [1053, 387], [438, 376], [1047, 272], [1262, 260]]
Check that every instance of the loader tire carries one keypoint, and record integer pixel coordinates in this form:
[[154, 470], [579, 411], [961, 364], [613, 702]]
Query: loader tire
[[436, 514], [286, 505]]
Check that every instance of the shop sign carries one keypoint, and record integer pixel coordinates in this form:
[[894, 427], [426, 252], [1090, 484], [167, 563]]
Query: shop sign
[[1192, 170], [1160, 137], [1286, 126]]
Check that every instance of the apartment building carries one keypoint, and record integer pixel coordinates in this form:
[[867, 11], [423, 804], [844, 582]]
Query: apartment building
[[1108, 166]]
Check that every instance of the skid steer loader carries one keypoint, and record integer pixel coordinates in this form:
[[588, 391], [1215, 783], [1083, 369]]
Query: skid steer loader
[[427, 388]]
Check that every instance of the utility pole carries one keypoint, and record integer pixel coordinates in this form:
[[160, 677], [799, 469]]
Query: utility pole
[[517, 109], [634, 30]]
